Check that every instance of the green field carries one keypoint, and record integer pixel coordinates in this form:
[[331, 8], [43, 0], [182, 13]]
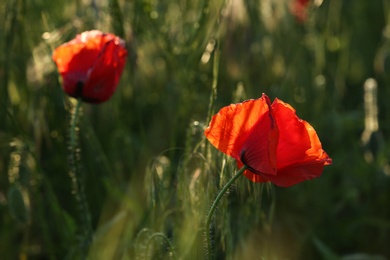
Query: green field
[[150, 175]]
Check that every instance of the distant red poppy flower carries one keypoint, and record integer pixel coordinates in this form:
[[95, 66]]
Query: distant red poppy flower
[[270, 140], [91, 65], [299, 9]]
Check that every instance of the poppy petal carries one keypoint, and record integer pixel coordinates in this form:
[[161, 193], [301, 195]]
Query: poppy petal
[[294, 139], [299, 154], [295, 174], [77, 56], [72, 69], [259, 149], [247, 132], [104, 76]]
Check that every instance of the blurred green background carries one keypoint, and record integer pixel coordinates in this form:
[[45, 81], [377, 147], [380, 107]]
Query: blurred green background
[[147, 165]]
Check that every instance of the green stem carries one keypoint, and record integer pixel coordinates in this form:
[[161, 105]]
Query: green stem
[[73, 123], [78, 177], [214, 206], [165, 239]]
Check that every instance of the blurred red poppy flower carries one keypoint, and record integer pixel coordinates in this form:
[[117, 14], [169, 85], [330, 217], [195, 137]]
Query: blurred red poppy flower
[[270, 140], [299, 9], [91, 65]]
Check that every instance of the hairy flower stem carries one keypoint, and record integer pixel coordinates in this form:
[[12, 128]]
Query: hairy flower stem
[[77, 177], [214, 206]]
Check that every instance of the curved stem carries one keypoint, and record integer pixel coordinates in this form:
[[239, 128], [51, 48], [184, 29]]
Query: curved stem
[[77, 176], [164, 238], [214, 206], [138, 238]]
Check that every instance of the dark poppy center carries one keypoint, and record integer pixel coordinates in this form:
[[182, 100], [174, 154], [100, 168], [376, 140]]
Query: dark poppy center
[[79, 89], [244, 161], [78, 93]]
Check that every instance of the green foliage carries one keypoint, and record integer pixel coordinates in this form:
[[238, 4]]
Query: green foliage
[[17, 205], [150, 175]]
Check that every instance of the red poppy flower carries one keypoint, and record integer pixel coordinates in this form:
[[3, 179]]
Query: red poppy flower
[[91, 65], [299, 9], [270, 140]]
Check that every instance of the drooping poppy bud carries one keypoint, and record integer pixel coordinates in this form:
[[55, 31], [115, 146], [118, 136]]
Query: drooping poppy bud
[[91, 65], [270, 140]]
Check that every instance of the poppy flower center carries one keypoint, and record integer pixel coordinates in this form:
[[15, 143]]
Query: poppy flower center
[[79, 89], [244, 161]]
